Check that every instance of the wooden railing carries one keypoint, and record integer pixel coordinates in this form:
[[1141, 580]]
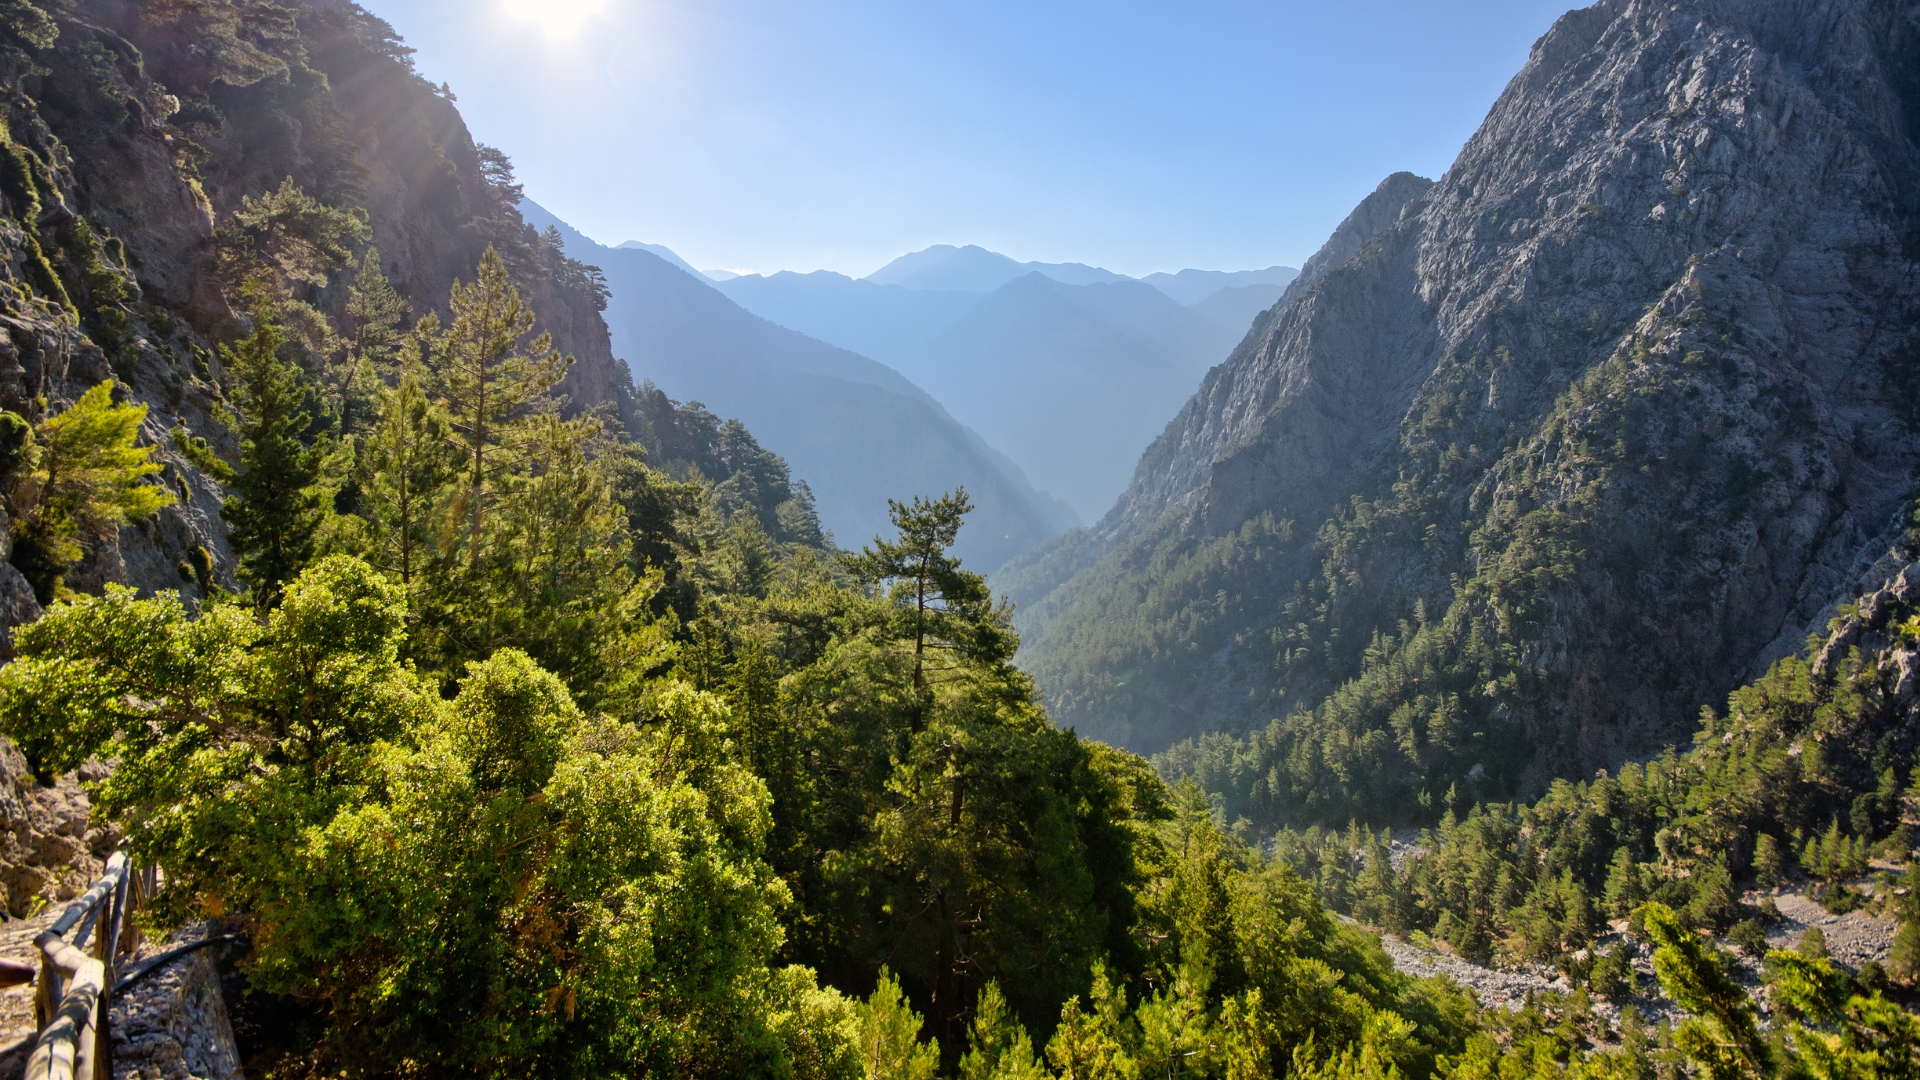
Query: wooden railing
[[76, 982]]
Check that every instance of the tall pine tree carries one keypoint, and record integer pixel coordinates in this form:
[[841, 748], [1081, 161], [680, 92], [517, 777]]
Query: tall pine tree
[[489, 385], [276, 504], [406, 467]]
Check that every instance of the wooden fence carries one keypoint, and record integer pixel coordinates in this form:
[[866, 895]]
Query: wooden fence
[[79, 961]]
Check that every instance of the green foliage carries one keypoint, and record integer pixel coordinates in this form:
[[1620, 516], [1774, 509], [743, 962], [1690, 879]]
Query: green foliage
[[1721, 1037], [78, 475], [998, 1047], [399, 856], [488, 384], [1612, 976], [27, 23], [942, 607], [890, 1045], [200, 454], [406, 467], [1837, 1032]]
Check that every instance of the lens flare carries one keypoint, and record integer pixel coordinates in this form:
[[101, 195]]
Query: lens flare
[[555, 18]]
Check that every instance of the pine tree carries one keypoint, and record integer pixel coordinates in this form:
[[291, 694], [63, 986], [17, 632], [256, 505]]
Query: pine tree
[[78, 474], [488, 384], [406, 470], [890, 1036], [276, 506], [1000, 1048], [1769, 865], [1722, 1037], [947, 609], [374, 311]]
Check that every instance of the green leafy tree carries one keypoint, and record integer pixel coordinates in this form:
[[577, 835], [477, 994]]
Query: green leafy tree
[[493, 885], [76, 477]]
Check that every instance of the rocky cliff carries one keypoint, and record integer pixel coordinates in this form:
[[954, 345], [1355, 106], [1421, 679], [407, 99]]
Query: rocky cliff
[[1530, 464], [136, 128]]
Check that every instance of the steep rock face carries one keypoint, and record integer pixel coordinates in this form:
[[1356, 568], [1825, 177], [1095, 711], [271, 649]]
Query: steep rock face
[[1626, 395]]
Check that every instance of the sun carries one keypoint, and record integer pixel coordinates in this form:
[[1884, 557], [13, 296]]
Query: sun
[[555, 18]]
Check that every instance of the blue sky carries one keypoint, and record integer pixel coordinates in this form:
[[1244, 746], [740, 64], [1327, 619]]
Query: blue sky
[[807, 134]]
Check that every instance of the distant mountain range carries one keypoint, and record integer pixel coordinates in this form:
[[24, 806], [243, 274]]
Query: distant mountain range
[[856, 430], [975, 269], [1070, 369]]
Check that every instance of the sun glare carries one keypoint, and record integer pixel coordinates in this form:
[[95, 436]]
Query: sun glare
[[555, 18]]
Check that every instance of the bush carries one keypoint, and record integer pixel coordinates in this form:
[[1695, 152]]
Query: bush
[[1750, 937], [1613, 976]]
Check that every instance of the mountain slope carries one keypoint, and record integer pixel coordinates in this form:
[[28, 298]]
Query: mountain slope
[[1071, 381], [856, 430], [137, 130], [1528, 466], [1192, 286], [890, 323], [1236, 306]]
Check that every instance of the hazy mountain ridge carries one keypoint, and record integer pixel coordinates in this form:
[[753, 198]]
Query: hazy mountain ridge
[[855, 429], [975, 269], [1071, 380], [1191, 287], [1621, 400]]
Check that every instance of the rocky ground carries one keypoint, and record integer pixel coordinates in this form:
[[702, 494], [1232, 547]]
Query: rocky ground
[[1852, 940], [173, 1024]]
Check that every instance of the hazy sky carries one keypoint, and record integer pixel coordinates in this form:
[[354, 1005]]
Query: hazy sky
[[806, 134]]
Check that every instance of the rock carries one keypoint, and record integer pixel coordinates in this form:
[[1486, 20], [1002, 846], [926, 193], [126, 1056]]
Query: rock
[[1878, 608], [1906, 677], [1906, 587], [173, 1025], [1836, 649]]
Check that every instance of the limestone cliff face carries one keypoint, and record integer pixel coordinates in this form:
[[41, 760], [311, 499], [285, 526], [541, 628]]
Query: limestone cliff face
[[1629, 392], [151, 122]]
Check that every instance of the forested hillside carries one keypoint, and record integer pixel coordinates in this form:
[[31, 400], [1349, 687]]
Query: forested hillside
[[1534, 462]]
